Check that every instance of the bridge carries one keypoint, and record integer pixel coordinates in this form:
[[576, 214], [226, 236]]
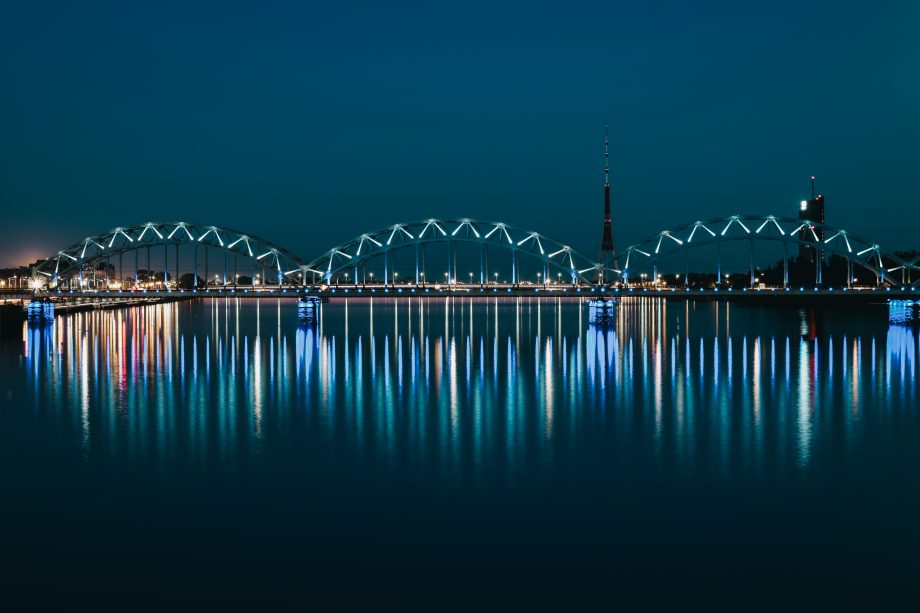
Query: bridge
[[471, 256]]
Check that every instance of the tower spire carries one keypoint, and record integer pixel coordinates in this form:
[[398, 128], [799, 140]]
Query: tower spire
[[607, 244], [606, 158]]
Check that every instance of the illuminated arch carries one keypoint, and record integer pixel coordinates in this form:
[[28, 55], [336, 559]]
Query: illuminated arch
[[381, 243], [276, 262], [788, 231]]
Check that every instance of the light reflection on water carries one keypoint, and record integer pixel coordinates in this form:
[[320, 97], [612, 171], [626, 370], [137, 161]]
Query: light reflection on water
[[465, 391]]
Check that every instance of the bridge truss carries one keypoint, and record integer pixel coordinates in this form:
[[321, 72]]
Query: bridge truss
[[821, 239], [351, 256], [274, 265], [263, 259]]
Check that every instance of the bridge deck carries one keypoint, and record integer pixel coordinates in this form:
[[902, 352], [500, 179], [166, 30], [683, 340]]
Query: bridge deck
[[862, 294]]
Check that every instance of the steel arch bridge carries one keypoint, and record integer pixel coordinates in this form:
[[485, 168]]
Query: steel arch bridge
[[787, 231], [382, 243], [273, 261], [281, 266]]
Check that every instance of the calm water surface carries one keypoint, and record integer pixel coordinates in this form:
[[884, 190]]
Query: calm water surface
[[476, 453]]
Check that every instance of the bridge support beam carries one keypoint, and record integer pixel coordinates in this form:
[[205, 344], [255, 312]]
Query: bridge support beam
[[386, 266], [718, 264], [752, 263], [785, 265], [819, 274]]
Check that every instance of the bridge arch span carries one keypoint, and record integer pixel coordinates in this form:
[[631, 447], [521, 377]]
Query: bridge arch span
[[790, 232], [382, 243], [273, 263]]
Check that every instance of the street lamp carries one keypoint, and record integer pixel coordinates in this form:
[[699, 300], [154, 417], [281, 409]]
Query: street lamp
[[471, 278]]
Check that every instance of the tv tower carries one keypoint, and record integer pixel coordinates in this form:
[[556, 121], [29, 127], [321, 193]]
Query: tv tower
[[607, 245]]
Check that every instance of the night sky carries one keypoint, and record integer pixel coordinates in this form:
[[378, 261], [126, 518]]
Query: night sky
[[309, 123]]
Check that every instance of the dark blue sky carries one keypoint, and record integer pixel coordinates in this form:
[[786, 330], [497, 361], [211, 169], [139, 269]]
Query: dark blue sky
[[308, 123]]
